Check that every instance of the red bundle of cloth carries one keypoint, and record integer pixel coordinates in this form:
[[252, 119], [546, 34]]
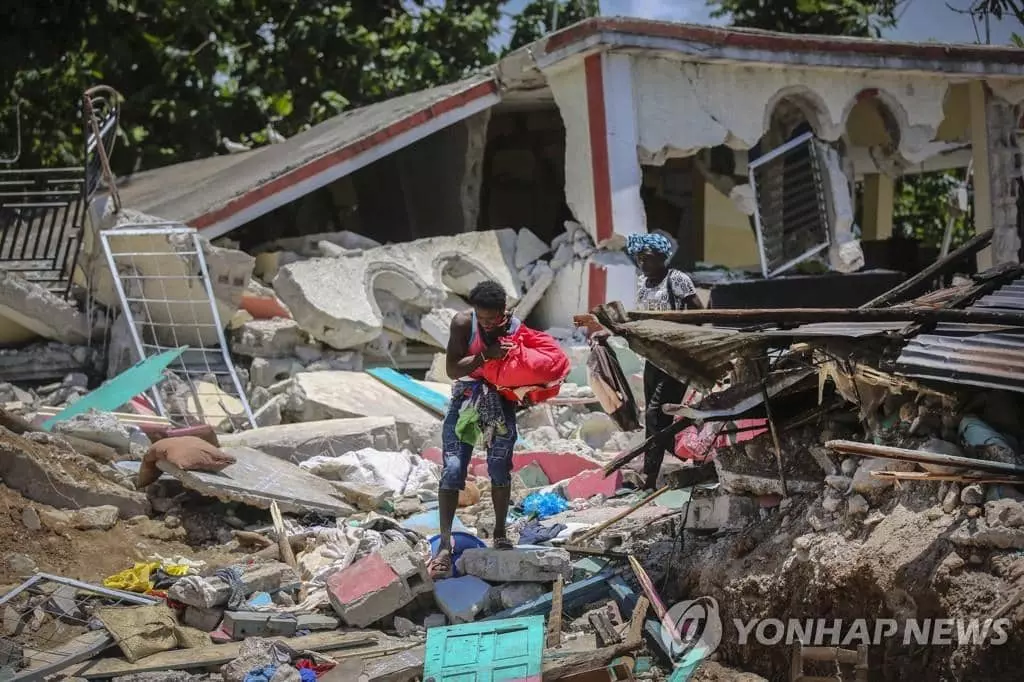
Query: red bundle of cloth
[[532, 371]]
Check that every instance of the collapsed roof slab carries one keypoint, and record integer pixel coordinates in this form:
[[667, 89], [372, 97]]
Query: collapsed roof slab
[[220, 194], [334, 299]]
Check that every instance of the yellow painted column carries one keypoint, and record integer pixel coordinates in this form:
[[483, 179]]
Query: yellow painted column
[[878, 202]]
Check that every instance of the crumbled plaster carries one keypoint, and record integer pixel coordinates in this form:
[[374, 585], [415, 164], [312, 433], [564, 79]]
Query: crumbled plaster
[[683, 107], [569, 87]]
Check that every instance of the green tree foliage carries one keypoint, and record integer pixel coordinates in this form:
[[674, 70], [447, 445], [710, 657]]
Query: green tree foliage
[[923, 205], [540, 17], [1000, 9], [194, 72], [820, 17]]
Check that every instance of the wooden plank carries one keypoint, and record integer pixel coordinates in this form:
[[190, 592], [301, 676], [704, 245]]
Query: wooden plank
[[607, 635], [621, 515], [563, 666], [124, 417], [554, 635], [81, 648], [636, 621], [219, 654], [918, 457], [411, 389]]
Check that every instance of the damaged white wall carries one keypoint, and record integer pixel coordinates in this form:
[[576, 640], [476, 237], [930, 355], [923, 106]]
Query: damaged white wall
[[659, 107]]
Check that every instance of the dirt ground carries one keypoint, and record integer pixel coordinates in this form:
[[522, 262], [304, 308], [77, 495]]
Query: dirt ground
[[896, 563], [90, 555]]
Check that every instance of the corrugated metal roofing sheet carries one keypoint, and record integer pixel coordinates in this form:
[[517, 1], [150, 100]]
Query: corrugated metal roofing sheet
[[987, 356]]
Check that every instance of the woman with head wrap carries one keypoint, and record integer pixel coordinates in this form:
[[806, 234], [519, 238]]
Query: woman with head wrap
[[659, 288]]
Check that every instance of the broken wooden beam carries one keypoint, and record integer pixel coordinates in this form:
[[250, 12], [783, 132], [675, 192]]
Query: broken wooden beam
[[797, 316], [621, 515], [908, 287], [902, 454]]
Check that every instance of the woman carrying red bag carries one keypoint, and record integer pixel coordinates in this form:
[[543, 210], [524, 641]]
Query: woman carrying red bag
[[495, 361]]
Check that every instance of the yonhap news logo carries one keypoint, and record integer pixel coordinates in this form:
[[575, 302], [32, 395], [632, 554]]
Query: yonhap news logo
[[692, 630]]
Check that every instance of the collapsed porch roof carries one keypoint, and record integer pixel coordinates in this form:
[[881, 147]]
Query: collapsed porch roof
[[222, 193]]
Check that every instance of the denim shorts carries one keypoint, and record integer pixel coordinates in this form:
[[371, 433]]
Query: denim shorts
[[456, 455]]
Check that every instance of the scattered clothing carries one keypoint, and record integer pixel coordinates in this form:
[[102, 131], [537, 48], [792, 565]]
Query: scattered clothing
[[544, 505], [534, 534], [143, 577], [233, 577], [458, 443], [481, 415], [610, 386]]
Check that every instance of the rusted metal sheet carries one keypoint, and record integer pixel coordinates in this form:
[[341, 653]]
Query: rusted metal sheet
[[987, 356]]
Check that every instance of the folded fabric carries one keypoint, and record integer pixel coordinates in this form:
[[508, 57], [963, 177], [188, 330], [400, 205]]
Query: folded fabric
[[189, 453]]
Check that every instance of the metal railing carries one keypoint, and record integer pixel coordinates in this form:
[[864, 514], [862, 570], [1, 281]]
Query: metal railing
[[42, 210], [791, 214]]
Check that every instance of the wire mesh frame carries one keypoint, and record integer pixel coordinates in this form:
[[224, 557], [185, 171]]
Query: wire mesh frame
[[28, 607], [146, 332], [42, 210], [770, 237]]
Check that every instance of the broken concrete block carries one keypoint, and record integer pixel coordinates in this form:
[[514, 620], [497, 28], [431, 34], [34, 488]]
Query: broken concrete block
[[266, 372], [978, 533], [216, 406], [210, 592], [332, 299], [516, 594], [543, 278], [243, 624], [88, 518], [30, 518], [364, 496], [21, 564], [720, 511], [1008, 513], [868, 485], [532, 475], [98, 427], [62, 602], [298, 442], [520, 565], [199, 618], [269, 414], [529, 248], [462, 598], [50, 474], [316, 621], [367, 591], [589, 483], [29, 310], [435, 620], [334, 395], [409, 566], [275, 338]]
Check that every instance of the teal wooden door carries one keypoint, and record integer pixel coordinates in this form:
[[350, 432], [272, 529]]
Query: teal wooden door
[[489, 651]]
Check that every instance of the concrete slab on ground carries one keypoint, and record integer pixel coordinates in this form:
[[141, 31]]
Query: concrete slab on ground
[[298, 442], [257, 479]]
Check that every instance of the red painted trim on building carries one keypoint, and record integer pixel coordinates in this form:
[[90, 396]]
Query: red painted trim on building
[[349, 151], [780, 42], [597, 290]]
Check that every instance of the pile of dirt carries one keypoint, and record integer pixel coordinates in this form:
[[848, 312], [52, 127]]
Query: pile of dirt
[[88, 555], [895, 563]]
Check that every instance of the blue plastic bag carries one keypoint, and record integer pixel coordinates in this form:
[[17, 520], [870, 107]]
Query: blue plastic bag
[[544, 505]]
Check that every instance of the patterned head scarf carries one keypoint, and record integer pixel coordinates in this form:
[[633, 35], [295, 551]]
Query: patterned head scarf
[[658, 243]]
